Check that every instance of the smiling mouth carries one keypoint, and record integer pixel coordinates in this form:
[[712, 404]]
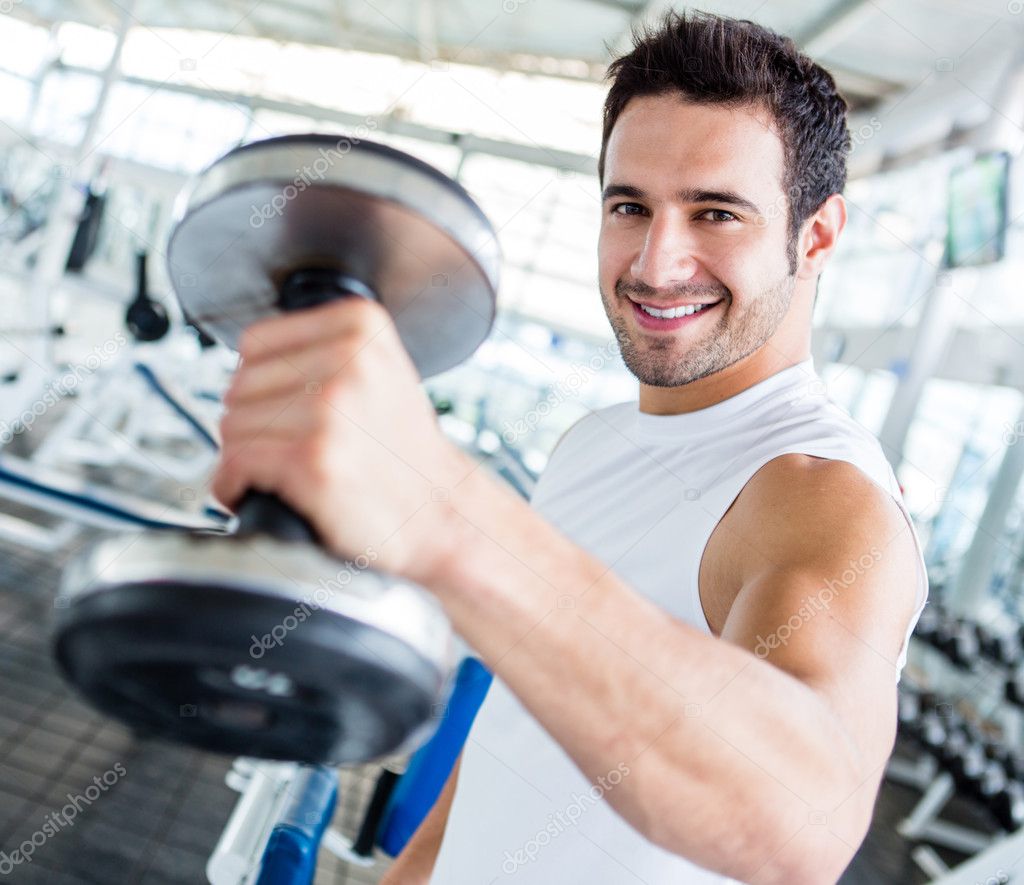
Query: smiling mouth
[[656, 320], [680, 310]]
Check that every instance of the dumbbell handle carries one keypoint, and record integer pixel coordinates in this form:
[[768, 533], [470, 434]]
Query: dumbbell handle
[[262, 512]]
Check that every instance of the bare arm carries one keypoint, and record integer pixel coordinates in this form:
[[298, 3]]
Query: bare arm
[[777, 751], [416, 862]]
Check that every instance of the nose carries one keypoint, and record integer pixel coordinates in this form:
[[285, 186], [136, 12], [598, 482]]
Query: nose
[[667, 256]]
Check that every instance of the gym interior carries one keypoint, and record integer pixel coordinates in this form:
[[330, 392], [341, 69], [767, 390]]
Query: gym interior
[[154, 153]]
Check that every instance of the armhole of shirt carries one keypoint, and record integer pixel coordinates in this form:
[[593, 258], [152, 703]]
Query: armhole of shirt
[[566, 433], [540, 479]]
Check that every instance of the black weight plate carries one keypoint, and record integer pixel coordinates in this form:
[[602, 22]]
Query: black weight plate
[[185, 663]]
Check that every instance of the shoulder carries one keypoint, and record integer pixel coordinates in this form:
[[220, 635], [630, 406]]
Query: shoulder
[[805, 517], [811, 508], [795, 481]]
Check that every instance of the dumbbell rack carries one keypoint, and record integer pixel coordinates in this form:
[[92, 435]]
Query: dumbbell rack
[[1000, 864], [959, 753]]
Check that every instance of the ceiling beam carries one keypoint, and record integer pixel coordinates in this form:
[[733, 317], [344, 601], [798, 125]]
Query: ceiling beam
[[537, 155], [650, 11], [861, 84], [631, 8], [838, 22]]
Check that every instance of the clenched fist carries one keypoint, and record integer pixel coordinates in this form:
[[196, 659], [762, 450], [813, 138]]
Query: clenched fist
[[327, 411]]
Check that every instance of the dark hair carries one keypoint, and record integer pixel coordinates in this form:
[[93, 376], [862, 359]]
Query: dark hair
[[712, 59]]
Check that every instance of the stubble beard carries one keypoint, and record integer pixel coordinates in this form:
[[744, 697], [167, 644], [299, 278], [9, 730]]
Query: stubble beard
[[655, 360]]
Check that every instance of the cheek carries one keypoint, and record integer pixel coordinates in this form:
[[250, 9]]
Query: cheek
[[746, 267], [611, 261]]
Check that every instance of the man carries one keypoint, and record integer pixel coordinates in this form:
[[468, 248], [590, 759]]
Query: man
[[697, 626]]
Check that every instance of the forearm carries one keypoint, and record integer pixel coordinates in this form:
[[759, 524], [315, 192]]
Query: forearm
[[415, 864], [700, 724]]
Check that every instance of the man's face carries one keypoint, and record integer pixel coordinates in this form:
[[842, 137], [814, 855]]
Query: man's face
[[703, 221]]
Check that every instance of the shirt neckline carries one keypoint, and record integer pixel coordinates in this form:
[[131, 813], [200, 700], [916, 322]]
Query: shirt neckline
[[716, 415]]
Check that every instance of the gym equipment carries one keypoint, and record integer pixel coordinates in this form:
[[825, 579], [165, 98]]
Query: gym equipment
[[205, 341], [1014, 688], [145, 318], [430, 766], [57, 331], [266, 789], [957, 639], [290, 855], [400, 802], [999, 646], [73, 498], [1007, 805], [88, 231], [262, 644]]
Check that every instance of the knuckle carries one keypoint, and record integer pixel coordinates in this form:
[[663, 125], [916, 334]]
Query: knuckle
[[229, 424], [249, 340], [364, 316], [348, 357], [223, 481], [231, 394]]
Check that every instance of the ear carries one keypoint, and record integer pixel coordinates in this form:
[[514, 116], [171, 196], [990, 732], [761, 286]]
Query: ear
[[819, 236]]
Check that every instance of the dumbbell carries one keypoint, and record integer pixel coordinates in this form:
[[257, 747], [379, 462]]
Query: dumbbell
[[992, 781], [1007, 806], [912, 704], [966, 763], [937, 730], [1014, 688], [954, 748], [999, 646], [957, 639], [1013, 765], [980, 769], [909, 709], [262, 644]]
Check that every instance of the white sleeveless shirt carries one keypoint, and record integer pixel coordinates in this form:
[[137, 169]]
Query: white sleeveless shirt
[[642, 493]]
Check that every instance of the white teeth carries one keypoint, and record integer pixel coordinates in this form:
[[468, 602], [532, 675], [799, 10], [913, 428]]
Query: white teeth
[[673, 312]]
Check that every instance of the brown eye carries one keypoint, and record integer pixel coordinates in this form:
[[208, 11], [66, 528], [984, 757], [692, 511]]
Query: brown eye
[[720, 216], [618, 206]]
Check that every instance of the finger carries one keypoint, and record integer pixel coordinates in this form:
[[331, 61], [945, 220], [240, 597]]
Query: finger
[[257, 464], [276, 376], [304, 328], [300, 372], [286, 415]]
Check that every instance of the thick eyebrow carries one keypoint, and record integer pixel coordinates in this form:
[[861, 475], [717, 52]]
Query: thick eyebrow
[[687, 195]]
